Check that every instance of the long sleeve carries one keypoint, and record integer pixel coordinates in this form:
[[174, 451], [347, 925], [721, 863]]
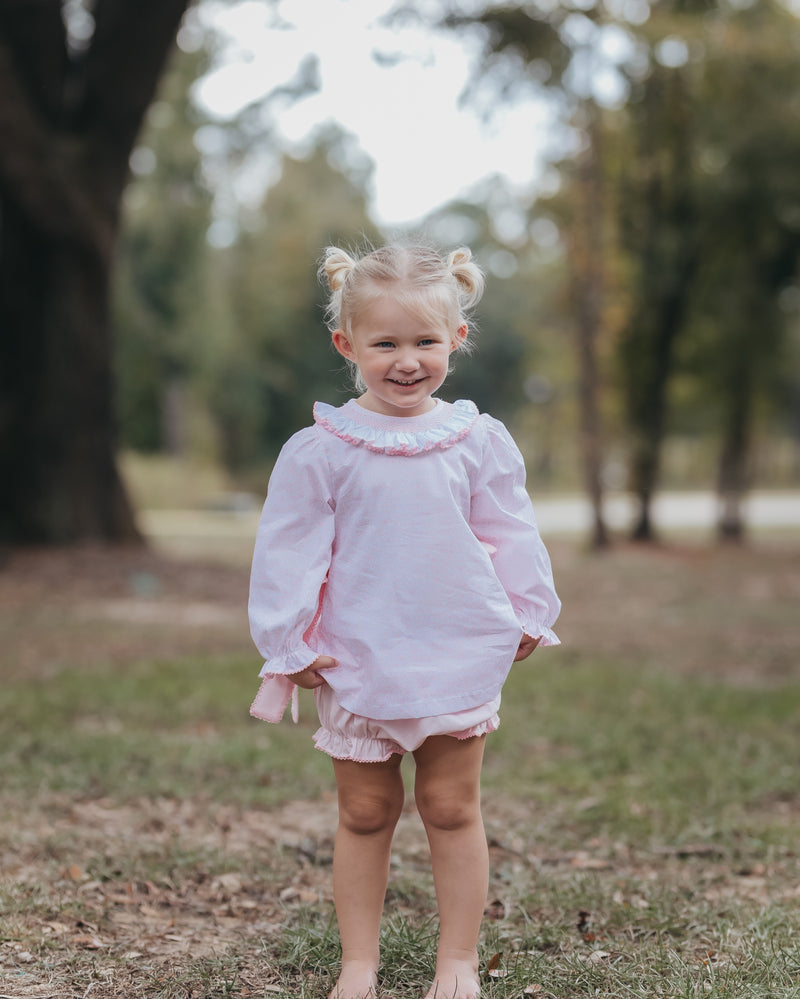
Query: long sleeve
[[502, 517], [292, 556]]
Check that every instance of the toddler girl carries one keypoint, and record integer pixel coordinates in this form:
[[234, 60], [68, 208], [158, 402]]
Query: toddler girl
[[398, 573]]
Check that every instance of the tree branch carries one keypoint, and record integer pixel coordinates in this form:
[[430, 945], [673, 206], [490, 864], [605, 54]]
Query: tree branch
[[131, 44], [38, 170]]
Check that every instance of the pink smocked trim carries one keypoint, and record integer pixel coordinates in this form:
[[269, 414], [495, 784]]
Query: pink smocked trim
[[455, 427], [380, 750]]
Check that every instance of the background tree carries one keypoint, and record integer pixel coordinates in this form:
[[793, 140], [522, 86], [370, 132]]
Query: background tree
[[71, 106], [666, 224], [526, 48], [277, 359], [165, 294], [658, 231], [746, 177]]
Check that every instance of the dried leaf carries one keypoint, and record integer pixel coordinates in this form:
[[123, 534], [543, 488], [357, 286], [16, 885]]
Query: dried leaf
[[597, 956], [494, 963], [87, 942], [495, 909], [55, 927], [529, 990], [230, 883]]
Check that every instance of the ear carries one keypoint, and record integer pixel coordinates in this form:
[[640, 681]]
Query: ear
[[458, 338], [343, 345]]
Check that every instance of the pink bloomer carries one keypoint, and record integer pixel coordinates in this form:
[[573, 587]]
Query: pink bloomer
[[346, 736]]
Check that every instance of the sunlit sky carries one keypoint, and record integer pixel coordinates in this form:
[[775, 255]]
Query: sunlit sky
[[404, 109]]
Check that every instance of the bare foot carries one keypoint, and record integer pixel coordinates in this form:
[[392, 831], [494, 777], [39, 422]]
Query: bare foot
[[455, 979], [358, 980]]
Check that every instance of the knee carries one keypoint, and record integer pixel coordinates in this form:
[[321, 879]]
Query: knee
[[448, 808], [365, 814]]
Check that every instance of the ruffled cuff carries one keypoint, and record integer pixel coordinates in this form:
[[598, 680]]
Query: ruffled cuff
[[293, 661], [545, 635]]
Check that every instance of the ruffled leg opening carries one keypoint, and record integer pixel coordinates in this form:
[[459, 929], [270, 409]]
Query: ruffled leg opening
[[340, 747], [490, 725]]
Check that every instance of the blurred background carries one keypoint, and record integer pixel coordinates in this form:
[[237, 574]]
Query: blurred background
[[625, 172]]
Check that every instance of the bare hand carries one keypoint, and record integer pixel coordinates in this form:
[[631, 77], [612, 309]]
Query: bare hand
[[309, 678], [526, 646]]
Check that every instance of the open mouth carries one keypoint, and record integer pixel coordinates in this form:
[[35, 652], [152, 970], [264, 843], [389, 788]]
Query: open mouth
[[406, 383]]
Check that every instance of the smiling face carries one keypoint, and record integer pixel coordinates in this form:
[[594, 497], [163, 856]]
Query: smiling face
[[402, 358]]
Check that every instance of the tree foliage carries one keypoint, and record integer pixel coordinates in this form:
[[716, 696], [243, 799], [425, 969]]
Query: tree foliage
[[684, 172]]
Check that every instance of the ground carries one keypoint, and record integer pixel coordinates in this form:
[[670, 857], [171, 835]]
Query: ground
[[172, 886]]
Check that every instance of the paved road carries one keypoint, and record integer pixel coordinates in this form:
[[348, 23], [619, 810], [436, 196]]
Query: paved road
[[690, 510]]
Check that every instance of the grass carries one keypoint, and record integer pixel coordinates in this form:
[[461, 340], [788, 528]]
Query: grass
[[596, 748], [645, 800], [642, 819]]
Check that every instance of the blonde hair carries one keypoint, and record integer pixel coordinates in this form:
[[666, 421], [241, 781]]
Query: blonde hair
[[437, 290]]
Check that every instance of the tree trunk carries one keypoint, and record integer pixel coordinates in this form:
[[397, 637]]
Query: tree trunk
[[587, 279], [67, 127], [733, 473], [664, 241], [59, 432]]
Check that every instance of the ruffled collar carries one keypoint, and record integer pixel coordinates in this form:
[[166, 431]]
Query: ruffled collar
[[441, 427]]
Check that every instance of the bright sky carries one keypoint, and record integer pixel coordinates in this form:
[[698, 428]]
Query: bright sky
[[406, 116]]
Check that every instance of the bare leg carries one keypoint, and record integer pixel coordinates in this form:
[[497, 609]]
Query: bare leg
[[371, 799], [448, 798]]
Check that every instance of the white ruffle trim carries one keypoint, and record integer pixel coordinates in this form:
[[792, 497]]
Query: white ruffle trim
[[378, 750], [545, 635], [454, 427]]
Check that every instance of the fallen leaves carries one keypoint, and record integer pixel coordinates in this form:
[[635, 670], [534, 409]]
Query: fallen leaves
[[495, 910]]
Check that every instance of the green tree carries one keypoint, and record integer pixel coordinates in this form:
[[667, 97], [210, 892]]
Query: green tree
[[746, 176], [704, 83], [278, 359], [658, 231], [528, 49], [164, 284]]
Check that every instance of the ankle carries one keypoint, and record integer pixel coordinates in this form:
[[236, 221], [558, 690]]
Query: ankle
[[358, 979], [455, 957]]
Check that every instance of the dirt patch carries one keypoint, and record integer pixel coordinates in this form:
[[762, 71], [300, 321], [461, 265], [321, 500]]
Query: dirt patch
[[216, 880], [709, 611], [90, 605]]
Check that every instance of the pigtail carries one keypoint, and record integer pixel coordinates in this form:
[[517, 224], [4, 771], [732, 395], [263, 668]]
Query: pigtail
[[468, 275], [335, 268], [336, 265]]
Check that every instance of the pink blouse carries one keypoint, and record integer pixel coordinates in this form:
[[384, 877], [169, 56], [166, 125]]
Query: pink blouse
[[407, 549]]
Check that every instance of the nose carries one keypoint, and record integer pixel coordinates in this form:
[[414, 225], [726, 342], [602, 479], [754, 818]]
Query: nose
[[407, 361]]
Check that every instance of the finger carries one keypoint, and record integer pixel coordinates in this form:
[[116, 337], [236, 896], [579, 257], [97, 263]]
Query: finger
[[324, 662], [526, 647]]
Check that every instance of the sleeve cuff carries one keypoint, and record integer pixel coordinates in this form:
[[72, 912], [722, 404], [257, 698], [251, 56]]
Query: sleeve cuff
[[545, 635], [293, 661]]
